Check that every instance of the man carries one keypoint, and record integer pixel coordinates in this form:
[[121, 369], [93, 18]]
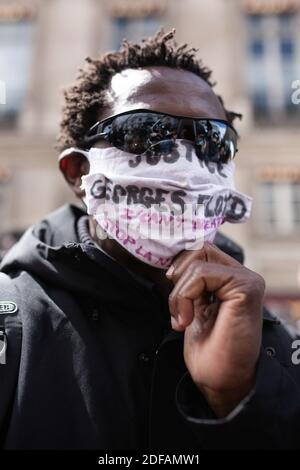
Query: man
[[116, 352]]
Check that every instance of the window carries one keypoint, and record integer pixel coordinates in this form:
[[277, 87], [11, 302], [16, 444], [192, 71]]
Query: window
[[279, 206], [135, 19], [133, 29], [268, 202], [296, 202], [15, 59], [272, 65]]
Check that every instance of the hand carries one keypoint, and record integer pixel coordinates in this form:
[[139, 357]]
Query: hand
[[222, 337]]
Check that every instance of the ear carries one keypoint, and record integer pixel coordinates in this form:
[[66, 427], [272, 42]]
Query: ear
[[73, 165]]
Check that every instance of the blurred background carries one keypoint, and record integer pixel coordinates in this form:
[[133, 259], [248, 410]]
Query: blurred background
[[253, 48]]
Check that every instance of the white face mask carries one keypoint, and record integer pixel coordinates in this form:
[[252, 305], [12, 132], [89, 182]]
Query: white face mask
[[156, 207]]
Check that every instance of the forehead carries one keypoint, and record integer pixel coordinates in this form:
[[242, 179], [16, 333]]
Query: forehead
[[163, 89]]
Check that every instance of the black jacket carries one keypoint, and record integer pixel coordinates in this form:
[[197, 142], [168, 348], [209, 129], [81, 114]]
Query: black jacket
[[100, 367]]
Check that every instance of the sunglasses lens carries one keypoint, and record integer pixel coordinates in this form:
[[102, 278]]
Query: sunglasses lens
[[136, 133], [155, 134], [215, 141], [163, 147]]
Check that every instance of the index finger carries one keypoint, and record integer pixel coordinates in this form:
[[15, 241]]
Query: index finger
[[209, 253]]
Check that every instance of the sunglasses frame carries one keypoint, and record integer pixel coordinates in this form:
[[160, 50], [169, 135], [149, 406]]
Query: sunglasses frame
[[99, 125]]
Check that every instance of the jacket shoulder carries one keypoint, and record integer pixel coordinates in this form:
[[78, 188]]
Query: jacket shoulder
[[10, 349], [278, 339], [7, 287], [229, 247]]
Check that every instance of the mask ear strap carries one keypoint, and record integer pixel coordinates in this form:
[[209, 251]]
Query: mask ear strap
[[62, 158], [68, 151]]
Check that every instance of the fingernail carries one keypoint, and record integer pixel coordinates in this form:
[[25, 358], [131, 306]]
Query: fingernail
[[170, 271]]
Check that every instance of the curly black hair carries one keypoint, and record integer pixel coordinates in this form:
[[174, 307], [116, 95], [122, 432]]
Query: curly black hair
[[85, 98]]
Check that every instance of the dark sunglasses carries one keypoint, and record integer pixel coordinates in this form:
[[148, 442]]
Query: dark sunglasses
[[153, 133]]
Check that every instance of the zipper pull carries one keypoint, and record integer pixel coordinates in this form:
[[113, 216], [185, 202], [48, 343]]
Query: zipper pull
[[3, 347]]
